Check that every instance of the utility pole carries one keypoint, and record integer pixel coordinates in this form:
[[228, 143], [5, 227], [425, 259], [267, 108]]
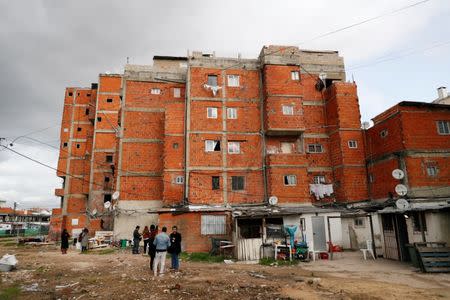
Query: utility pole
[[14, 219]]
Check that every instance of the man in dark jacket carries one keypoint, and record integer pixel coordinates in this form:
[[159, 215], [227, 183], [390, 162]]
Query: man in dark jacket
[[175, 248], [136, 240]]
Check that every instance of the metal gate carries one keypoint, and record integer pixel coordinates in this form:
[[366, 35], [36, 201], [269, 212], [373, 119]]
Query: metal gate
[[390, 238], [319, 238]]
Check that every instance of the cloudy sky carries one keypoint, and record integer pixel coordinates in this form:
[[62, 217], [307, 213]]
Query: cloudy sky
[[46, 46]]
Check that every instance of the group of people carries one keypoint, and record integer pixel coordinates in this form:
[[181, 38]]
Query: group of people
[[158, 245], [83, 238]]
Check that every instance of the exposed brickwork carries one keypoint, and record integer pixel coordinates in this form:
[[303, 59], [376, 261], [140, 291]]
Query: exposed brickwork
[[406, 137], [146, 117], [189, 225]]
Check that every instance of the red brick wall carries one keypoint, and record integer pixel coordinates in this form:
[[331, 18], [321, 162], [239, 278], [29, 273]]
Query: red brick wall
[[189, 225]]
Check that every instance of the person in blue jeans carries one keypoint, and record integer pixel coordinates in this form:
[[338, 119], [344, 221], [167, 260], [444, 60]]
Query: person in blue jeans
[[175, 248]]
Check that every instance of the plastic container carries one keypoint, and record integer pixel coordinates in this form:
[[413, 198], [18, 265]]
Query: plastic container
[[123, 243]]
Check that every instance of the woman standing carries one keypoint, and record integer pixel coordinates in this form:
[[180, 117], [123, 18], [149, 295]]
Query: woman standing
[[64, 241], [146, 237], [151, 247], [85, 240]]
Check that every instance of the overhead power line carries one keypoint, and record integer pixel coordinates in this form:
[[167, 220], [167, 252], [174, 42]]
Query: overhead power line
[[320, 36], [399, 55]]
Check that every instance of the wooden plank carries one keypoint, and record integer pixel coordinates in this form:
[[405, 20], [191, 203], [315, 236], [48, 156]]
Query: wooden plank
[[438, 270], [428, 259], [431, 249], [436, 264]]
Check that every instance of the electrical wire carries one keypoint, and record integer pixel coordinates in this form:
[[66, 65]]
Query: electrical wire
[[398, 56], [341, 29]]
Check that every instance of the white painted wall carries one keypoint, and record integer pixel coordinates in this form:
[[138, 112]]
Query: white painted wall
[[438, 228], [362, 233], [136, 214], [335, 224]]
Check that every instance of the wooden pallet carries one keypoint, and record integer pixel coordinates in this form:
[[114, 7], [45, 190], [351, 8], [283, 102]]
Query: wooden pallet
[[433, 257]]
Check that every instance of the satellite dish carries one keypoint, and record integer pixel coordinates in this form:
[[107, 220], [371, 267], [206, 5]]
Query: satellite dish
[[116, 195], [398, 174], [401, 189], [365, 125], [107, 204], [402, 204], [94, 212], [273, 200]]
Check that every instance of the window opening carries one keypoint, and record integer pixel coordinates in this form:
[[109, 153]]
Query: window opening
[[212, 80], [212, 145], [237, 183], [215, 182]]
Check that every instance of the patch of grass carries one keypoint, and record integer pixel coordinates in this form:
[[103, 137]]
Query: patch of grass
[[273, 262], [100, 252], [10, 293], [201, 257]]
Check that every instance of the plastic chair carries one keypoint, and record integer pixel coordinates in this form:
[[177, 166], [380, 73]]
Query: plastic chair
[[368, 249]]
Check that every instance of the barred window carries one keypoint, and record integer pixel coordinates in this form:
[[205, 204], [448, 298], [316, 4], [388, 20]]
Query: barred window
[[213, 224]]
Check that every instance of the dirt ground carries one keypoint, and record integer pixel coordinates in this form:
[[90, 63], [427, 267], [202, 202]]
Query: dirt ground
[[43, 273]]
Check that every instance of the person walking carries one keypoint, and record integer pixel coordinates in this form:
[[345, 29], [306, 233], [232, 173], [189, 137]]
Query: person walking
[[175, 248], [162, 243], [146, 237], [151, 247], [136, 240], [84, 240], [65, 236]]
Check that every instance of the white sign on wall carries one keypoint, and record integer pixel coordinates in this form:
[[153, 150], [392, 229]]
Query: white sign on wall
[[74, 222]]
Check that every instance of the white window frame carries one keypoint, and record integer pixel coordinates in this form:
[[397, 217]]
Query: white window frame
[[210, 145], [234, 147], [155, 91], [290, 179], [319, 179], [445, 126], [233, 80], [179, 180], [316, 147], [295, 75], [288, 110], [352, 144], [176, 92], [211, 112], [432, 171], [213, 225], [231, 113]]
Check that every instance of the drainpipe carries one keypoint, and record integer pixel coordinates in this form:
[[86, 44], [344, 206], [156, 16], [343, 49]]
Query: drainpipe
[[187, 120], [263, 135]]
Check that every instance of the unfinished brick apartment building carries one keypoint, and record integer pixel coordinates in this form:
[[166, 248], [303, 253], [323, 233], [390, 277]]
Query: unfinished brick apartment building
[[413, 137], [189, 140]]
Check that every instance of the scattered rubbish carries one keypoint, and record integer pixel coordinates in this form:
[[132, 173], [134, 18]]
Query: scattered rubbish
[[176, 287], [314, 281], [8, 262], [61, 287], [257, 275], [228, 261], [31, 288]]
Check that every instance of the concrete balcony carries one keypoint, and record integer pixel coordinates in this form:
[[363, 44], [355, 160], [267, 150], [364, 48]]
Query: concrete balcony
[[59, 192]]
